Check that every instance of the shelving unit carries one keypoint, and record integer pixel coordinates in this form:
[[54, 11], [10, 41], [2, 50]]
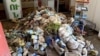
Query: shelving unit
[[81, 9]]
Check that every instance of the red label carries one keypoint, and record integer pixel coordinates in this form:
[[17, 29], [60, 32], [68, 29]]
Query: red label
[[4, 49]]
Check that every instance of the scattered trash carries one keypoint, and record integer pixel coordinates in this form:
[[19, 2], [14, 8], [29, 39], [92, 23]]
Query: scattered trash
[[46, 28]]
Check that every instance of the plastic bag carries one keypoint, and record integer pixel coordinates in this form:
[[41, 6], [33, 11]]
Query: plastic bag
[[72, 44]]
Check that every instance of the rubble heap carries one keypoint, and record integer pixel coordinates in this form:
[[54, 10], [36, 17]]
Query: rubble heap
[[44, 28]]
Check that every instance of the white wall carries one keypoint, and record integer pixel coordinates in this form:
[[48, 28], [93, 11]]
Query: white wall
[[51, 3], [91, 9], [94, 12]]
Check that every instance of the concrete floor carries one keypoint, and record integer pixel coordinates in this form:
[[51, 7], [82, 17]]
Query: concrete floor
[[95, 40]]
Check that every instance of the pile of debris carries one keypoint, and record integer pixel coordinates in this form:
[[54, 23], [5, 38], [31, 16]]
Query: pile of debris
[[46, 28]]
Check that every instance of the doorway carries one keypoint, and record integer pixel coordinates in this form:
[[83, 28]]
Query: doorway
[[63, 5]]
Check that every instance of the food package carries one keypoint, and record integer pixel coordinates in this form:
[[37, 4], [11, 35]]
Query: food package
[[65, 30], [72, 44]]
